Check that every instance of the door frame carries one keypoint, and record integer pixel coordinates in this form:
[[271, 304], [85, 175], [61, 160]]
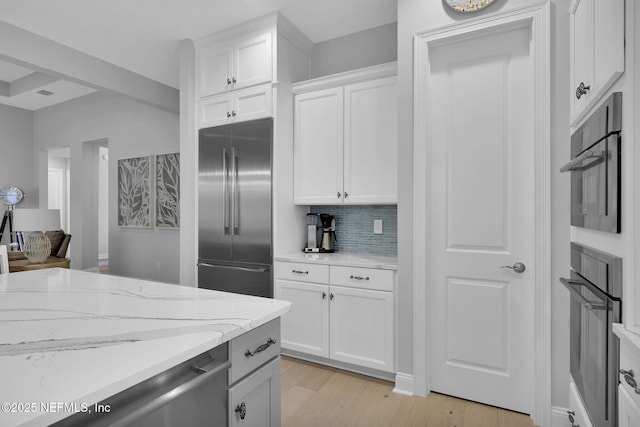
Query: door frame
[[536, 17]]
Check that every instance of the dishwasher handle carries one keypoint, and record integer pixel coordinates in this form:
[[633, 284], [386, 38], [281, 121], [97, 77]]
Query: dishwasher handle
[[206, 373]]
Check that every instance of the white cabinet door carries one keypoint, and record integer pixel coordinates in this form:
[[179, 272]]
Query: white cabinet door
[[305, 327], [255, 401], [581, 24], [362, 325], [248, 104], [370, 142], [214, 71], [608, 48], [318, 148], [252, 103], [253, 61], [597, 51], [628, 410]]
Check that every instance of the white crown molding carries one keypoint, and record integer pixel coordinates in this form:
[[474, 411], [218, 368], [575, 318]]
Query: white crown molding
[[388, 69]]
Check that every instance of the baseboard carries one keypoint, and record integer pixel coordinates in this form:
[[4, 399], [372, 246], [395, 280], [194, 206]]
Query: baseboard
[[559, 417], [383, 375], [404, 384]]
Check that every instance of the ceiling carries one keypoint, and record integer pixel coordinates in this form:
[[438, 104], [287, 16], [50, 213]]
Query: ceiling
[[143, 35]]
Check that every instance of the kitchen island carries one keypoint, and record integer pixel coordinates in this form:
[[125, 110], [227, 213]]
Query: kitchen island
[[69, 339]]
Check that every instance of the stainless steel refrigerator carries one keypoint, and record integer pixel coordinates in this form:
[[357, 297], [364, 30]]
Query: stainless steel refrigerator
[[234, 208]]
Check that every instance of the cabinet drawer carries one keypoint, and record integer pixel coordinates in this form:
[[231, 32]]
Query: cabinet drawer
[[366, 278], [302, 272], [251, 350], [630, 362]]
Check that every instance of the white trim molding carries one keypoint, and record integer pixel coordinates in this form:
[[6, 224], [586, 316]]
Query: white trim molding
[[536, 17], [559, 417], [404, 384]]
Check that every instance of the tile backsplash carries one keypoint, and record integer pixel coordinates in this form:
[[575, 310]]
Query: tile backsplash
[[354, 228]]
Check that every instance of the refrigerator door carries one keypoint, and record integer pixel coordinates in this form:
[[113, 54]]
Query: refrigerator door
[[243, 279], [251, 191], [214, 201]]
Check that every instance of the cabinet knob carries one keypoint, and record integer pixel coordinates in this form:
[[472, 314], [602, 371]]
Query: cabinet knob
[[581, 90], [233, 80], [346, 194], [629, 378], [233, 113], [571, 415], [339, 194], [241, 409], [331, 296], [228, 81], [228, 114], [324, 295]]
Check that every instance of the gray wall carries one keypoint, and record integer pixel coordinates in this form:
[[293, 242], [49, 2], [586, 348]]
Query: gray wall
[[363, 49], [131, 129], [416, 16], [16, 148]]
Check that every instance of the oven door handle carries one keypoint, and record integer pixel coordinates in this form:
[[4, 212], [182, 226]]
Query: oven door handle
[[599, 157], [589, 305]]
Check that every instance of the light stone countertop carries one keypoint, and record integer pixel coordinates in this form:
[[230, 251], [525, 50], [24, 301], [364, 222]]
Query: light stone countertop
[[347, 259], [71, 337]]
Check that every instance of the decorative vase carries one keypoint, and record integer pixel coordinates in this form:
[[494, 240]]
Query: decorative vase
[[37, 248]]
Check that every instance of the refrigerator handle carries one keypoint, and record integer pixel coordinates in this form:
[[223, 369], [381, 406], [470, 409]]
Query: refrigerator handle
[[235, 217], [225, 174]]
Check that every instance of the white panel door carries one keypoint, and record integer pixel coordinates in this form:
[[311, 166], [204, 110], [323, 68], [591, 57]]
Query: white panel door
[[581, 61], [214, 72], [305, 327], [215, 111], [253, 103], [371, 142], [253, 61], [362, 327], [482, 196], [629, 411], [318, 168]]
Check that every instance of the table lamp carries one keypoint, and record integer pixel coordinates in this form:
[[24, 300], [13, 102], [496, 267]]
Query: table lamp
[[32, 223]]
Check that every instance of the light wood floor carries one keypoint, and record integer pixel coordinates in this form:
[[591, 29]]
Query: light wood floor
[[316, 395]]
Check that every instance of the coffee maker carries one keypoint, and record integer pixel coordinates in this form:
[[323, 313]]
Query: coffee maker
[[328, 232], [313, 220]]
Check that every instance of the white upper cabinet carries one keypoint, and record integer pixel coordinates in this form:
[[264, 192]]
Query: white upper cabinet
[[370, 142], [246, 104], [345, 138], [597, 51], [318, 147], [242, 62]]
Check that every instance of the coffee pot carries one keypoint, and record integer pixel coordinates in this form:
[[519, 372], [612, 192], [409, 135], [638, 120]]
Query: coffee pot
[[328, 232]]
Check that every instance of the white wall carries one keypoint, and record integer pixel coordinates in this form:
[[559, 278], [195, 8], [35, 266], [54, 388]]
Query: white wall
[[16, 148], [131, 129], [374, 46], [417, 16]]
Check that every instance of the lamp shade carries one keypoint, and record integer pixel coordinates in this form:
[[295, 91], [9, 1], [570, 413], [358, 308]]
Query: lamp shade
[[36, 219]]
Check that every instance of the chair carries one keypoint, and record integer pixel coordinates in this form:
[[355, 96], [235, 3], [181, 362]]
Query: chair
[[4, 260]]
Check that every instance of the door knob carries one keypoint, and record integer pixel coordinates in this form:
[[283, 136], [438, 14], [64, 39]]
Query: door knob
[[518, 267]]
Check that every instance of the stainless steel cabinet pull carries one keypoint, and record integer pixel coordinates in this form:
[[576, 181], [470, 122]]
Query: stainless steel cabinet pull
[[571, 415], [581, 90], [299, 272], [629, 378], [324, 295], [331, 296], [241, 409], [233, 79], [228, 114], [359, 277], [233, 113], [518, 267], [260, 349], [346, 194], [228, 81], [339, 194]]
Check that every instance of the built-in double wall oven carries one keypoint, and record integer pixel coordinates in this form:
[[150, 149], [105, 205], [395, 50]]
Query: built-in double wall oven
[[595, 283]]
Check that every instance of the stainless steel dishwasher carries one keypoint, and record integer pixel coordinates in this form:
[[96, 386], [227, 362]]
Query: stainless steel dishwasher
[[193, 393]]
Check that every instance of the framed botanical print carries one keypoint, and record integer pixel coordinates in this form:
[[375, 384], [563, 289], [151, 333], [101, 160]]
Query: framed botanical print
[[135, 197], [168, 190]]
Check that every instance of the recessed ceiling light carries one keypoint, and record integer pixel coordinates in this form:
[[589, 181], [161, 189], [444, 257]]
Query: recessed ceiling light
[[44, 92]]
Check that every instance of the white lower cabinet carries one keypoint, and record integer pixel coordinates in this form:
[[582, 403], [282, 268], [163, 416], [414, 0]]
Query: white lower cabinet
[[628, 410], [254, 378], [346, 323], [577, 413], [255, 401], [629, 387]]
